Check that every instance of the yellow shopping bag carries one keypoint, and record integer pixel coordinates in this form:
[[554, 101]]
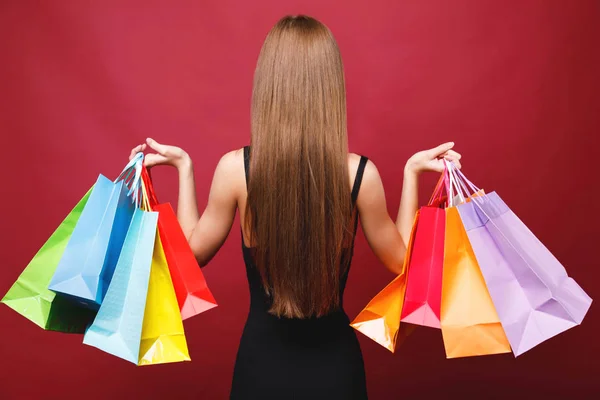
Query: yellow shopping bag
[[163, 338]]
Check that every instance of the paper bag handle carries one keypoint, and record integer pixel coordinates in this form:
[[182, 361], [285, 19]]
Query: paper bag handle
[[131, 175], [151, 194]]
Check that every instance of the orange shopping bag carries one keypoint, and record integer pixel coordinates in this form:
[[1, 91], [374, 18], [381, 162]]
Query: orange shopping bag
[[470, 323], [380, 319]]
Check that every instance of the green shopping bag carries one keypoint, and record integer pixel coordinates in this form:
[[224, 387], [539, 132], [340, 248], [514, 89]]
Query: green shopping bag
[[30, 296]]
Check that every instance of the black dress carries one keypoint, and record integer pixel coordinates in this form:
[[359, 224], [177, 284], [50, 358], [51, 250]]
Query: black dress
[[284, 358]]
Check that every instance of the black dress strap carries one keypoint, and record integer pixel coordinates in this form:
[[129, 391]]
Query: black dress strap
[[246, 162], [359, 175]]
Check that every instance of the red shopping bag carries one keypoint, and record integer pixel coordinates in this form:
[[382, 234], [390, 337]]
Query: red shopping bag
[[422, 302], [193, 295]]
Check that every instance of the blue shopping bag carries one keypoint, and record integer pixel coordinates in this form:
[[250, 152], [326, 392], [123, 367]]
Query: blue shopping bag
[[88, 262], [117, 328]]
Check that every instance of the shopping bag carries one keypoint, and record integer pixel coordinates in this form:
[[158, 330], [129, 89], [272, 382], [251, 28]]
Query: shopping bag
[[191, 289], [30, 296], [163, 339], [531, 291], [424, 281], [117, 328], [469, 321], [89, 260], [380, 319]]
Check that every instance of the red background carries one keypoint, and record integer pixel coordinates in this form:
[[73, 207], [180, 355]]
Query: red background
[[515, 85]]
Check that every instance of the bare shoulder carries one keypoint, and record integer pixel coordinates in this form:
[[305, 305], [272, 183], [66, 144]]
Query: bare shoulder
[[230, 170], [232, 159]]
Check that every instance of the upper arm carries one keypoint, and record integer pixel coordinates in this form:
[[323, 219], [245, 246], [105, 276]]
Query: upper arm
[[216, 220], [379, 229]]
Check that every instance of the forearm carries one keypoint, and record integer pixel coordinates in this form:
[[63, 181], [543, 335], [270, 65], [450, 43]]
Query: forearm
[[187, 204], [409, 204]]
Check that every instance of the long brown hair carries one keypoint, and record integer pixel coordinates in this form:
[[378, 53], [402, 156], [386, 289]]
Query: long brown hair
[[298, 211]]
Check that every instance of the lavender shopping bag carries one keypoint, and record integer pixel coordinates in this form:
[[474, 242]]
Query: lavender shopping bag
[[533, 295]]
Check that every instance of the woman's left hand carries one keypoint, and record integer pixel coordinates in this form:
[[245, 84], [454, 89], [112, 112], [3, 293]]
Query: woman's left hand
[[433, 159]]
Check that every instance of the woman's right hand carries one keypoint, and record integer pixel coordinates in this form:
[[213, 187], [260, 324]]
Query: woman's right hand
[[165, 155]]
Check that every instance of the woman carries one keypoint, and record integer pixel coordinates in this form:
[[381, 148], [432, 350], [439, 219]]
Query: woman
[[299, 194]]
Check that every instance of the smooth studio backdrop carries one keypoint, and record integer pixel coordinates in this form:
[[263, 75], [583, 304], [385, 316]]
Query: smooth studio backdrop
[[514, 83]]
